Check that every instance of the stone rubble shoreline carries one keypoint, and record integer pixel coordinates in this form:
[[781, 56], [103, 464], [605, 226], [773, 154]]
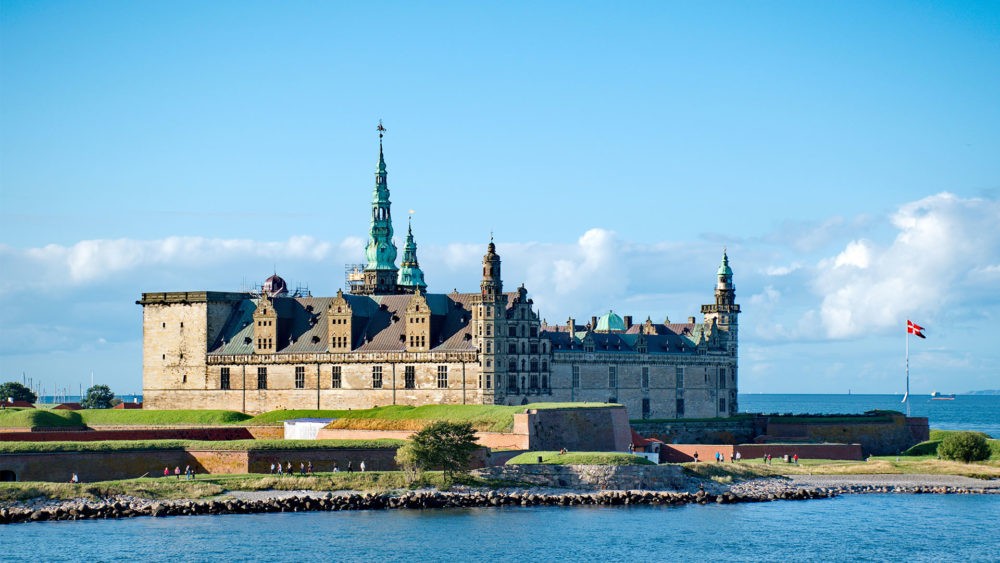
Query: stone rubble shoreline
[[258, 502]]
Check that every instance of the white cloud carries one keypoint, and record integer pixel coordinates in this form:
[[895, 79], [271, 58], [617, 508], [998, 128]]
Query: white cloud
[[941, 240]]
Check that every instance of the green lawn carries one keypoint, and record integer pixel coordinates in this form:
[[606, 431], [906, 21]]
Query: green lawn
[[39, 418], [131, 445], [579, 458], [487, 418]]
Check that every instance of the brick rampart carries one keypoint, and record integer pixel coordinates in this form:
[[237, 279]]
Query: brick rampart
[[231, 433]]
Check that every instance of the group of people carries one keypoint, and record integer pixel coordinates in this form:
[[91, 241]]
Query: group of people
[[306, 468], [188, 472], [788, 459]]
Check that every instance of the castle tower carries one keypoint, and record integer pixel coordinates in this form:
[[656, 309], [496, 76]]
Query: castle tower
[[488, 324], [411, 277], [265, 325], [722, 316], [380, 272]]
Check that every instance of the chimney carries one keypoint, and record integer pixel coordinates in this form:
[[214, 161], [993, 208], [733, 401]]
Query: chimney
[[593, 323], [690, 320], [571, 323], [628, 322]]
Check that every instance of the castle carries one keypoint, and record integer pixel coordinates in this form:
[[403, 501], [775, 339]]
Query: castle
[[389, 342]]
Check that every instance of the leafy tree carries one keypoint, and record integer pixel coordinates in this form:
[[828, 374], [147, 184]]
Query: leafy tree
[[440, 445], [964, 446], [18, 392], [98, 397]]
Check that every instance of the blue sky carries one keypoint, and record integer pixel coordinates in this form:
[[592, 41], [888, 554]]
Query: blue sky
[[847, 154]]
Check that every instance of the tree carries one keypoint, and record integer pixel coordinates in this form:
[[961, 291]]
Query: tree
[[440, 445], [16, 391], [98, 397], [964, 446]]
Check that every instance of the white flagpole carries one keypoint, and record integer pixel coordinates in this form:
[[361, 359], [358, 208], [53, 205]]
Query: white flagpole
[[907, 396]]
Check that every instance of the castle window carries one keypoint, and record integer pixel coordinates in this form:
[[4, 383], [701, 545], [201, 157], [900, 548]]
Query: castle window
[[184, 378], [489, 381], [511, 331], [680, 377], [410, 377], [680, 407], [182, 324], [262, 378], [722, 405], [706, 375], [722, 377], [533, 331], [489, 330], [164, 325], [511, 348], [588, 346], [335, 378], [512, 383], [645, 377], [545, 365], [376, 377], [612, 376], [442, 380], [545, 381], [489, 363], [512, 366], [534, 347], [489, 347], [534, 365], [534, 381], [576, 377], [164, 356], [300, 377], [224, 378]]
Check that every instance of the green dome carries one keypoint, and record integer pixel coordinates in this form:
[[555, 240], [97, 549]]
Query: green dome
[[610, 323], [724, 269]]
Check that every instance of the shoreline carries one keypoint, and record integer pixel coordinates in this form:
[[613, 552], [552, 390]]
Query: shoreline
[[768, 489]]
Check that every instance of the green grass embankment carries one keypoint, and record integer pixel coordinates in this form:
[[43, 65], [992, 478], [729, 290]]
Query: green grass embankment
[[240, 445], [929, 448], [39, 418], [45, 418], [883, 465], [205, 486], [578, 458], [484, 418]]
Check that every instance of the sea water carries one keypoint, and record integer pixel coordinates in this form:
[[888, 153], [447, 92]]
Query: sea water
[[846, 528]]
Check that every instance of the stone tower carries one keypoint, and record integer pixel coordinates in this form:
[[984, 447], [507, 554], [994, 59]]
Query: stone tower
[[380, 272], [725, 310], [489, 322], [411, 277]]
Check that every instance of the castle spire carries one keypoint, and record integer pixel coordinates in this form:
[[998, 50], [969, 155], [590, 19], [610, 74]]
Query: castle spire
[[411, 277], [380, 270]]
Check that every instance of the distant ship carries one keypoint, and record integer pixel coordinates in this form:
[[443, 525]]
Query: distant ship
[[935, 396]]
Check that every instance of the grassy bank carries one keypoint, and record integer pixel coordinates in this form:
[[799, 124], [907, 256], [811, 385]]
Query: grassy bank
[[885, 465], [490, 418], [207, 486], [484, 418], [133, 445], [930, 447]]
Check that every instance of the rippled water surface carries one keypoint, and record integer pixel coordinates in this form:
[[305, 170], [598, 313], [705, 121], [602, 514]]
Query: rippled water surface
[[851, 527]]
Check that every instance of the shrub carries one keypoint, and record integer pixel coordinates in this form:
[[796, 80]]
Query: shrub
[[964, 446]]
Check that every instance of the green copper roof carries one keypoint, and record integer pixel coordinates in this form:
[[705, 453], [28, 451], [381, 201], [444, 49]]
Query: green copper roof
[[410, 274], [610, 322], [724, 269], [380, 253]]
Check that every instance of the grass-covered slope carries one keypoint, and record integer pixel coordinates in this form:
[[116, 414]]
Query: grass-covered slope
[[133, 445], [39, 418], [139, 417], [579, 458]]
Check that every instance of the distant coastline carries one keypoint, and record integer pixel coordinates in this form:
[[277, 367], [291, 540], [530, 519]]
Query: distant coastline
[[983, 392]]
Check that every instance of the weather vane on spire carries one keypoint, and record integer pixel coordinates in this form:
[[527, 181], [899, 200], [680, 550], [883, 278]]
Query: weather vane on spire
[[381, 129]]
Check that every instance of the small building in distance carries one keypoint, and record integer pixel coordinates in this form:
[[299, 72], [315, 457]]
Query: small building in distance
[[385, 340]]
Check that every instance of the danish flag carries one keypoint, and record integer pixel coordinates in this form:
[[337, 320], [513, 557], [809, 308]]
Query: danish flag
[[914, 328]]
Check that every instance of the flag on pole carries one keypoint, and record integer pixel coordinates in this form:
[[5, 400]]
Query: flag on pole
[[915, 329]]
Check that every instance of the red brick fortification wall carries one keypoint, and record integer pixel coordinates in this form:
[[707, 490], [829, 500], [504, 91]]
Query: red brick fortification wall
[[104, 466], [380, 459], [214, 433], [727, 431], [682, 453], [493, 440], [877, 437], [804, 451]]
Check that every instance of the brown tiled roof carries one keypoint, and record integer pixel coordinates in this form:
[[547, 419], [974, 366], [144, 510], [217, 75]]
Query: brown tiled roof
[[378, 322]]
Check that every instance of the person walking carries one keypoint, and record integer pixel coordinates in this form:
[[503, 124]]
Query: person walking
[[166, 472], [350, 467], [362, 466], [177, 472], [272, 468]]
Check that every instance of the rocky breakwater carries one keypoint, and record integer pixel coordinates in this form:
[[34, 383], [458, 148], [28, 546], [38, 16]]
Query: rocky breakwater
[[80, 510]]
